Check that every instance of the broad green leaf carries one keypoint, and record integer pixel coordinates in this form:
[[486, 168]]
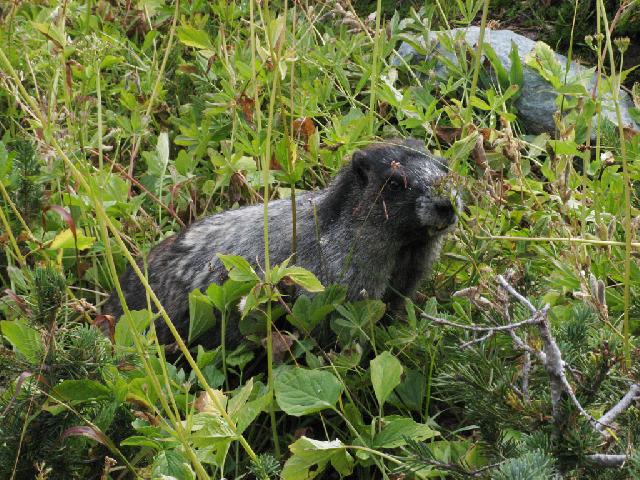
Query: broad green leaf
[[240, 398], [238, 268], [461, 149], [172, 464], [250, 410], [309, 312], [209, 428], [304, 278], [124, 334], [193, 37], [564, 147], [397, 429], [301, 392], [110, 60], [386, 371], [311, 457], [65, 239], [201, 316], [543, 59], [223, 296], [25, 339], [81, 391], [572, 89], [51, 31]]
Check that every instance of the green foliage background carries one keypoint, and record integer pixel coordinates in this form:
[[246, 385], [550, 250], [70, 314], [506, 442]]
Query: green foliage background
[[120, 122]]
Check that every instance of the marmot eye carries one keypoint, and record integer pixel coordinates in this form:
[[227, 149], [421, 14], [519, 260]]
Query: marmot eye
[[393, 185]]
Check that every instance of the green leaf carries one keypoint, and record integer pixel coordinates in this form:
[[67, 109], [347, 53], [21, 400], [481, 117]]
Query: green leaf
[[461, 149], [564, 147], [25, 339], [65, 240], [223, 296], [301, 392], [172, 464], [398, 428], [250, 411], [304, 278], [516, 75], [81, 391], [193, 37], [6, 162], [572, 89], [141, 441], [208, 428], [240, 398], [543, 60], [496, 64], [51, 31], [139, 319], [386, 371], [509, 92], [479, 103], [201, 316], [311, 457], [307, 312], [238, 268]]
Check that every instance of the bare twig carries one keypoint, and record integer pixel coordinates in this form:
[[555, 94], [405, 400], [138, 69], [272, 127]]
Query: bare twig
[[608, 460], [503, 283], [553, 362], [526, 368], [477, 340], [476, 328], [618, 408]]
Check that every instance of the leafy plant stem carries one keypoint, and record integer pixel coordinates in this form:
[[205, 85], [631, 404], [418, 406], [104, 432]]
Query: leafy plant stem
[[374, 70], [357, 435], [275, 57], [443, 15], [627, 191], [376, 452], [478, 63], [156, 87], [560, 239], [99, 103]]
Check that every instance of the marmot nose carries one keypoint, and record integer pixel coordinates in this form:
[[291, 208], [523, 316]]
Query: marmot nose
[[444, 207]]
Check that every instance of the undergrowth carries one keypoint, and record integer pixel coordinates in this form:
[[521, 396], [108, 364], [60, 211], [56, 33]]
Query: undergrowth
[[123, 122]]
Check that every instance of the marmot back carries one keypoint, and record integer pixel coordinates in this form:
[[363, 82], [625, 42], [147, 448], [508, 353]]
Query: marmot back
[[377, 229]]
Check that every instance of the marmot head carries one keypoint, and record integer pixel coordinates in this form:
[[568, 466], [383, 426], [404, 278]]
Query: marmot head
[[404, 189]]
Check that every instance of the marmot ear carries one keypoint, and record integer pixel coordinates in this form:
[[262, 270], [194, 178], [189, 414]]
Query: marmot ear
[[360, 165]]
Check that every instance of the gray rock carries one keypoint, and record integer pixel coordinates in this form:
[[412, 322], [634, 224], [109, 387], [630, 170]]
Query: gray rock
[[536, 104]]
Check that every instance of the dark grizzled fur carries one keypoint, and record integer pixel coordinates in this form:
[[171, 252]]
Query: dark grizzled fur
[[377, 229]]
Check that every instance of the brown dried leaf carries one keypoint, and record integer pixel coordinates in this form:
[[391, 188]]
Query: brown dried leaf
[[448, 134], [246, 104], [303, 127], [107, 325], [281, 344]]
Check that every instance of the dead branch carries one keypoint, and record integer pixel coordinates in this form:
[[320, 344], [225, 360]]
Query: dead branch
[[608, 460], [624, 403]]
